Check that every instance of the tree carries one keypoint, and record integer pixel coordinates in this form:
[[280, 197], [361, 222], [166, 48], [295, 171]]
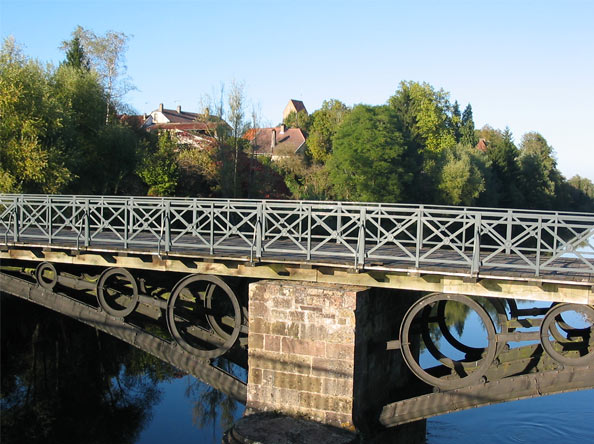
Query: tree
[[461, 176], [540, 179], [159, 170], [503, 157], [107, 57], [298, 120], [75, 54], [467, 136], [236, 102], [367, 160], [455, 121], [324, 124], [425, 115], [30, 159]]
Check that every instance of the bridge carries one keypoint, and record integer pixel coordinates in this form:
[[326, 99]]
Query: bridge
[[321, 303]]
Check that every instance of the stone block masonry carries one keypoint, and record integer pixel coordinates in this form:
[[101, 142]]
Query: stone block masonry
[[301, 350], [313, 351]]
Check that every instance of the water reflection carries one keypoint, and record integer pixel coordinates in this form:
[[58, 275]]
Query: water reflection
[[63, 381]]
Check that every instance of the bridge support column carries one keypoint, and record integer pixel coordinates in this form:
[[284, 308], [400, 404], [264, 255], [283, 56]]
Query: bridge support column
[[318, 351]]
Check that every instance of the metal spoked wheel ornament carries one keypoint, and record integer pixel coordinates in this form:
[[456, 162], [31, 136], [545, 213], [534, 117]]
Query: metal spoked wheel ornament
[[204, 315], [46, 275], [117, 292], [427, 317], [562, 340]]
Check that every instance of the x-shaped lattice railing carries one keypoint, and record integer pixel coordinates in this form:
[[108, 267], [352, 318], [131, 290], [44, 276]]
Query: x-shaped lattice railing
[[472, 238]]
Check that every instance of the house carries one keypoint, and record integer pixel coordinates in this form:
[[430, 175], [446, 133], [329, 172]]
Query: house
[[192, 129], [276, 142], [294, 106]]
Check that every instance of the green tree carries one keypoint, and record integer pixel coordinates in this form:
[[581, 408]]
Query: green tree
[[367, 159], [298, 120], [540, 179], [107, 57], [236, 102], [425, 115], [467, 135], [461, 176], [159, 170], [324, 124], [75, 54], [455, 121], [30, 158], [580, 191], [503, 157]]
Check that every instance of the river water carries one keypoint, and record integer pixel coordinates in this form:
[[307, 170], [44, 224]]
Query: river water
[[63, 382]]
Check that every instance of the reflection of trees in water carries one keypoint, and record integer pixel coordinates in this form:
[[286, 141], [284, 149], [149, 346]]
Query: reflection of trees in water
[[210, 403], [457, 314], [65, 382]]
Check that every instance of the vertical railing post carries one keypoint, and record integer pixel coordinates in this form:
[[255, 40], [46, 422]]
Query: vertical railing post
[[464, 231], [508, 236], [555, 239], [50, 228], [167, 226], [476, 249], [338, 223], [211, 234], [259, 230], [126, 221], [309, 232], [18, 213], [360, 259], [538, 242], [419, 240], [87, 228]]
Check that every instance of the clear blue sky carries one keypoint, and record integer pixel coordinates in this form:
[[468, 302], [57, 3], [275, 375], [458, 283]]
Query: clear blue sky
[[525, 64]]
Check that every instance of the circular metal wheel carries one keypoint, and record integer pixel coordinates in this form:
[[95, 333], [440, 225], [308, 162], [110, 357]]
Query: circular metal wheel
[[117, 292], [46, 275], [479, 367], [204, 316], [584, 346]]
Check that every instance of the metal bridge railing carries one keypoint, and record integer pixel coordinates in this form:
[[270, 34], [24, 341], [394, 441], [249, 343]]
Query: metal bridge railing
[[469, 239]]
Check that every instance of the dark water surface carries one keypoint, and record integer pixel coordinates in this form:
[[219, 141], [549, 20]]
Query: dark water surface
[[62, 382]]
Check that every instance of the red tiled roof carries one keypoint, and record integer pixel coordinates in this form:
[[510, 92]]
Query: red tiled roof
[[289, 141]]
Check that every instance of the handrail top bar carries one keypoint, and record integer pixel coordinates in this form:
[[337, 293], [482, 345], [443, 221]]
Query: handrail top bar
[[296, 203]]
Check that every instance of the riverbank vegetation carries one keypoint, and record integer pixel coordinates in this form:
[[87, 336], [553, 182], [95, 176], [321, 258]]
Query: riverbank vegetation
[[61, 131]]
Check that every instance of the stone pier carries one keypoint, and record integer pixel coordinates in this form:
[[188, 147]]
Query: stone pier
[[318, 351]]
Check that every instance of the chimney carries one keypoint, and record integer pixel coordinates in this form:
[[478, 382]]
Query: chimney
[[179, 109], [160, 107], [273, 139], [282, 128]]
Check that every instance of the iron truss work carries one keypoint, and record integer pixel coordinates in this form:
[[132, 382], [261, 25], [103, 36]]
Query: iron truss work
[[381, 236], [196, 323], [523, 353]]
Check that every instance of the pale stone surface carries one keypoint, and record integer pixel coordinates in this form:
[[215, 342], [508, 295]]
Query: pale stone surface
[[301, 348]]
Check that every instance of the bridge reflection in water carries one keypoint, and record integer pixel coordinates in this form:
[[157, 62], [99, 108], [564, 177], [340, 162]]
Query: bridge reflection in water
[[171, 276]]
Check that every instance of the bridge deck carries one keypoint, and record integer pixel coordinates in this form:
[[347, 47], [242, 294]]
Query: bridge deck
[[443, 262], [419, 247]]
